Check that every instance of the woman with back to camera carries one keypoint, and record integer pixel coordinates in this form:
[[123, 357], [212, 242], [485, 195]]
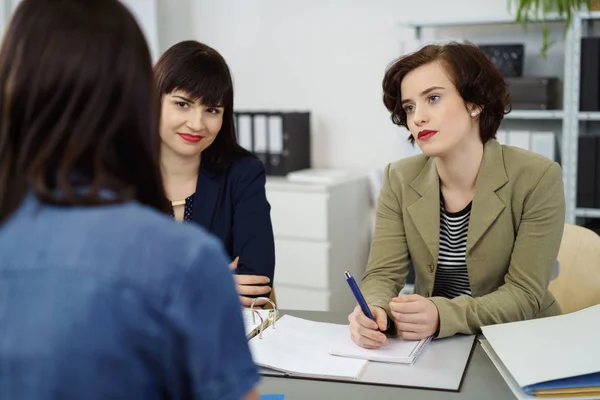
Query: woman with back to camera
[[209, 178], [481, 222], [102, 295]]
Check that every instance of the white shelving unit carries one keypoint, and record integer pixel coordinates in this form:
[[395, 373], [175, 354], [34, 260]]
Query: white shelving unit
[[570, 116]]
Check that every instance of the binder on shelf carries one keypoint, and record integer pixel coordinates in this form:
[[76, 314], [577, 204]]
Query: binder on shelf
[[587, 171], [589, 86], [281, 140], [597, 203]]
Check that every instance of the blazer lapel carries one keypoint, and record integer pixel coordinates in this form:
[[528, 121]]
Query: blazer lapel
[[486, 204], [425, 212], [205, 198]]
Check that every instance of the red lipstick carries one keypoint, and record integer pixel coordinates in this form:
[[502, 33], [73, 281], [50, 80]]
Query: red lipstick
[[188, 137], [426, 134]]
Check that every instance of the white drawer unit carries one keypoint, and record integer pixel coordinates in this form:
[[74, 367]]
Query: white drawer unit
[[321, 230]]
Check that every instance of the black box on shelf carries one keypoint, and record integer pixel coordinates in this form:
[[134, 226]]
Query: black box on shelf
[[281, 140], [507, 57], [589, 81], [534, 93], [588, 174]]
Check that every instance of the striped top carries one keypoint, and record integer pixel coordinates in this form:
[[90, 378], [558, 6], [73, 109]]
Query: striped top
[[451, 276]]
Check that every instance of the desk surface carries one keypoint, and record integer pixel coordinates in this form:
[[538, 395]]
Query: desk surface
[[481, 381]]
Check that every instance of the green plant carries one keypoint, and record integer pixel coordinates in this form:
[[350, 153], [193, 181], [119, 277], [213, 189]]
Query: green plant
[[539, 10]]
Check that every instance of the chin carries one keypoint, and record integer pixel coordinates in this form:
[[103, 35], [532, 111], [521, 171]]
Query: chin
[[431, 149]]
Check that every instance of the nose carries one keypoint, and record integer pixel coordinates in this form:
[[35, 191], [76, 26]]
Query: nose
[[195, 122], [420, 116]]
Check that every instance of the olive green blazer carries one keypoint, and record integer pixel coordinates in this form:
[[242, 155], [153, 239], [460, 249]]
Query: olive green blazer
[[515, 230]]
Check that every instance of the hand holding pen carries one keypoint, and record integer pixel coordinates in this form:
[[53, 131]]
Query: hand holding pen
[[367, 322]]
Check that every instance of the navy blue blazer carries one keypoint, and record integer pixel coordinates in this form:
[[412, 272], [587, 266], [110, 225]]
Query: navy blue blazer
[[233, 206]]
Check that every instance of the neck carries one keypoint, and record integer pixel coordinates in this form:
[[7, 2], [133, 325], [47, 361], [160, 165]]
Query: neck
[[458, 170], [177, 168]]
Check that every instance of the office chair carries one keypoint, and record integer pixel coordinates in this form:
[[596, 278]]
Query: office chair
[[578, 283]]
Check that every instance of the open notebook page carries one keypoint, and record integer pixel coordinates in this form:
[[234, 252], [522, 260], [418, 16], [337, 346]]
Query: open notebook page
[[301, 347], [397, 350]]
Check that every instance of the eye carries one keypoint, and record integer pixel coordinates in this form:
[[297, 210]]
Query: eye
[[433, 98], [213, 110], [409, 108], [182, 104]]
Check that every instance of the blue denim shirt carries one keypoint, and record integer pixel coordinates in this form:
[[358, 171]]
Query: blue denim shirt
[[117, 302]]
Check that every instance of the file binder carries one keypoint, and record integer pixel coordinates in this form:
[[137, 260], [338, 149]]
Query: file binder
[[281, 140], [537, 358], [256, 320]]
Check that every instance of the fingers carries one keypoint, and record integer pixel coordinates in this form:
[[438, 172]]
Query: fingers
[[234, 263], [247, 290], [409, 335], [381, 317], [407, 298], [363, 330], [251, 279], [247, 301], [406, 307], [413, 318]]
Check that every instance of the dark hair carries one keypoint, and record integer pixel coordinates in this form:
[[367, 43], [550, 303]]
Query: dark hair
[[201, 72], [476, 78], [78, 104]]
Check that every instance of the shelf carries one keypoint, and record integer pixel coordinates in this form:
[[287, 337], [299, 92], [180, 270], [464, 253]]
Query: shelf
[[535, 114], [589, 116], [588, 212], [489, 20]]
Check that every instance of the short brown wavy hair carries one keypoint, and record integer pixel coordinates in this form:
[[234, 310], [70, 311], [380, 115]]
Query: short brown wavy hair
[[476, 78]]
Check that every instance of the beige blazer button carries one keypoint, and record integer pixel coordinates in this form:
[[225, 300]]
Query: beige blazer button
[[431, 267]]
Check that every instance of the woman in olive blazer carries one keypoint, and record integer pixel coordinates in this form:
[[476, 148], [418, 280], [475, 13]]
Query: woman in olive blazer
[[514, 206]]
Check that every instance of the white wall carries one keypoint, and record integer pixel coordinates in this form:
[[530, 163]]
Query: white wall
[[325, 56], [329, 56]]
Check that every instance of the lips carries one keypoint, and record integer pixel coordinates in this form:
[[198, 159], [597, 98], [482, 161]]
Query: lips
[[188, 137], [426, 134]]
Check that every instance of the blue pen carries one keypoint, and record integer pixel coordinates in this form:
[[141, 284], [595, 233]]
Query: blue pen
[[358, 295]]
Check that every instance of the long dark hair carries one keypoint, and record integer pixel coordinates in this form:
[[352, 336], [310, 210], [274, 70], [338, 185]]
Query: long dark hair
[[78, 107], [201, 72]]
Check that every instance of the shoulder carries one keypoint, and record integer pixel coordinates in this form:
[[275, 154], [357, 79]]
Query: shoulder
[[526, 169], [139, 238], [246, 166], [407, 169]]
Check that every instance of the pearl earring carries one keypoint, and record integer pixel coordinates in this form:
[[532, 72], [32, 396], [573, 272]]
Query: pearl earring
[[473, 113]]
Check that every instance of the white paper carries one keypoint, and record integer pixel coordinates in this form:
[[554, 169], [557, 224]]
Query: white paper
[[397, 350], [547, 349], [301, 347]]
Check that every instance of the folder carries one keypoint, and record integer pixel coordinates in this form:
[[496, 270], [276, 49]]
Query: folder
[[548, 357]]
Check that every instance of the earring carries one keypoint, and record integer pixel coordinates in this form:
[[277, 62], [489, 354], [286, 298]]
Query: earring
[[473, 113]]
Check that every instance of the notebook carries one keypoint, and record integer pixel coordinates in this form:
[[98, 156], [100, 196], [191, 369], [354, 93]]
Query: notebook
[[548, 357], [299, 347], [397, 350]]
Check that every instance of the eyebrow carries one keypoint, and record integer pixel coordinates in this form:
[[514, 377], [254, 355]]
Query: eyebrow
[[185, 99], [424, 92], [192, 101]]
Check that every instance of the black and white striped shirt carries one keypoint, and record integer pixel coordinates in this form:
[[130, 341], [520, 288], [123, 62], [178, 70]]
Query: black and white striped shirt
[[451, 276]]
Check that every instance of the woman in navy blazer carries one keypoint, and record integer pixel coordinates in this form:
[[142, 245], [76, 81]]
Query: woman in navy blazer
[[209, 178]]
